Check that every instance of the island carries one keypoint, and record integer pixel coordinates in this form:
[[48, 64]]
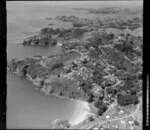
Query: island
[[98, 67], [112, 10]]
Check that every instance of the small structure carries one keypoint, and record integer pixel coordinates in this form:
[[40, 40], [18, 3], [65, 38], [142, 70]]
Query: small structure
[[121, 112], [59, 44], [79, 88], [107, 117], [116, 127], [130, 122], [123, 122], [131, 128]]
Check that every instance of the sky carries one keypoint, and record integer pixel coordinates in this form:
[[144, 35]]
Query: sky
[[76, 3]]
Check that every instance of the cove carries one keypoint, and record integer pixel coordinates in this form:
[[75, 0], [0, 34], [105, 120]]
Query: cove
[[29, 108]]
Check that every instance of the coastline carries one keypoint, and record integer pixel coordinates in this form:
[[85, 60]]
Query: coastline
[[82, 110]]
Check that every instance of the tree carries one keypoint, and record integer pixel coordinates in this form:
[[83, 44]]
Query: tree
[[111, 90], [91, 97], [133, 91], [53, 42], [103, 107], [98, 103], [60, 93], [23, 72], [85, 61], [139, 76], [91, 118], [100, 112], [110, 36], [136, 123], [101, 96], [42, 82]]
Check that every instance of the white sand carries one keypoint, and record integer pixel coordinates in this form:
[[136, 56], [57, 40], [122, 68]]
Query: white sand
[[81, 113]]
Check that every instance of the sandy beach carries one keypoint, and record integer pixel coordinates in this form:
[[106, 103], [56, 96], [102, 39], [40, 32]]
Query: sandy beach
[[82, 111]]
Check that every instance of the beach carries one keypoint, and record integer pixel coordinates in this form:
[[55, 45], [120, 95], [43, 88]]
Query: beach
[[81, 113]]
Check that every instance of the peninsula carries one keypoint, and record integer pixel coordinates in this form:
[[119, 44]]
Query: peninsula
[[99, 67]]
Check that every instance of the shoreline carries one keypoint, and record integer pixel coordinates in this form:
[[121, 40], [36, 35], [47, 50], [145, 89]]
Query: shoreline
[[82, 110]]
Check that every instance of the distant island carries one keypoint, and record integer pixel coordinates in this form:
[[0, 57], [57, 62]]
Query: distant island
[[98, 67], [111, 10]]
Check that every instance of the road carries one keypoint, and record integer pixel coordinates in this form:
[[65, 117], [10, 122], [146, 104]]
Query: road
[[91, 124]]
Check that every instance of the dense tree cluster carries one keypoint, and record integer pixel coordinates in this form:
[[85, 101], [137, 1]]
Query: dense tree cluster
[[86, 86], [128, 45], [102, 109], [100, 39], [62, 124], [91, 118], [125, 100], [111, 90], [91, 97], [45, 30], [57, 65], [97, 78], [128, 85], [23, 71], [98, 103], [94, 54]]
